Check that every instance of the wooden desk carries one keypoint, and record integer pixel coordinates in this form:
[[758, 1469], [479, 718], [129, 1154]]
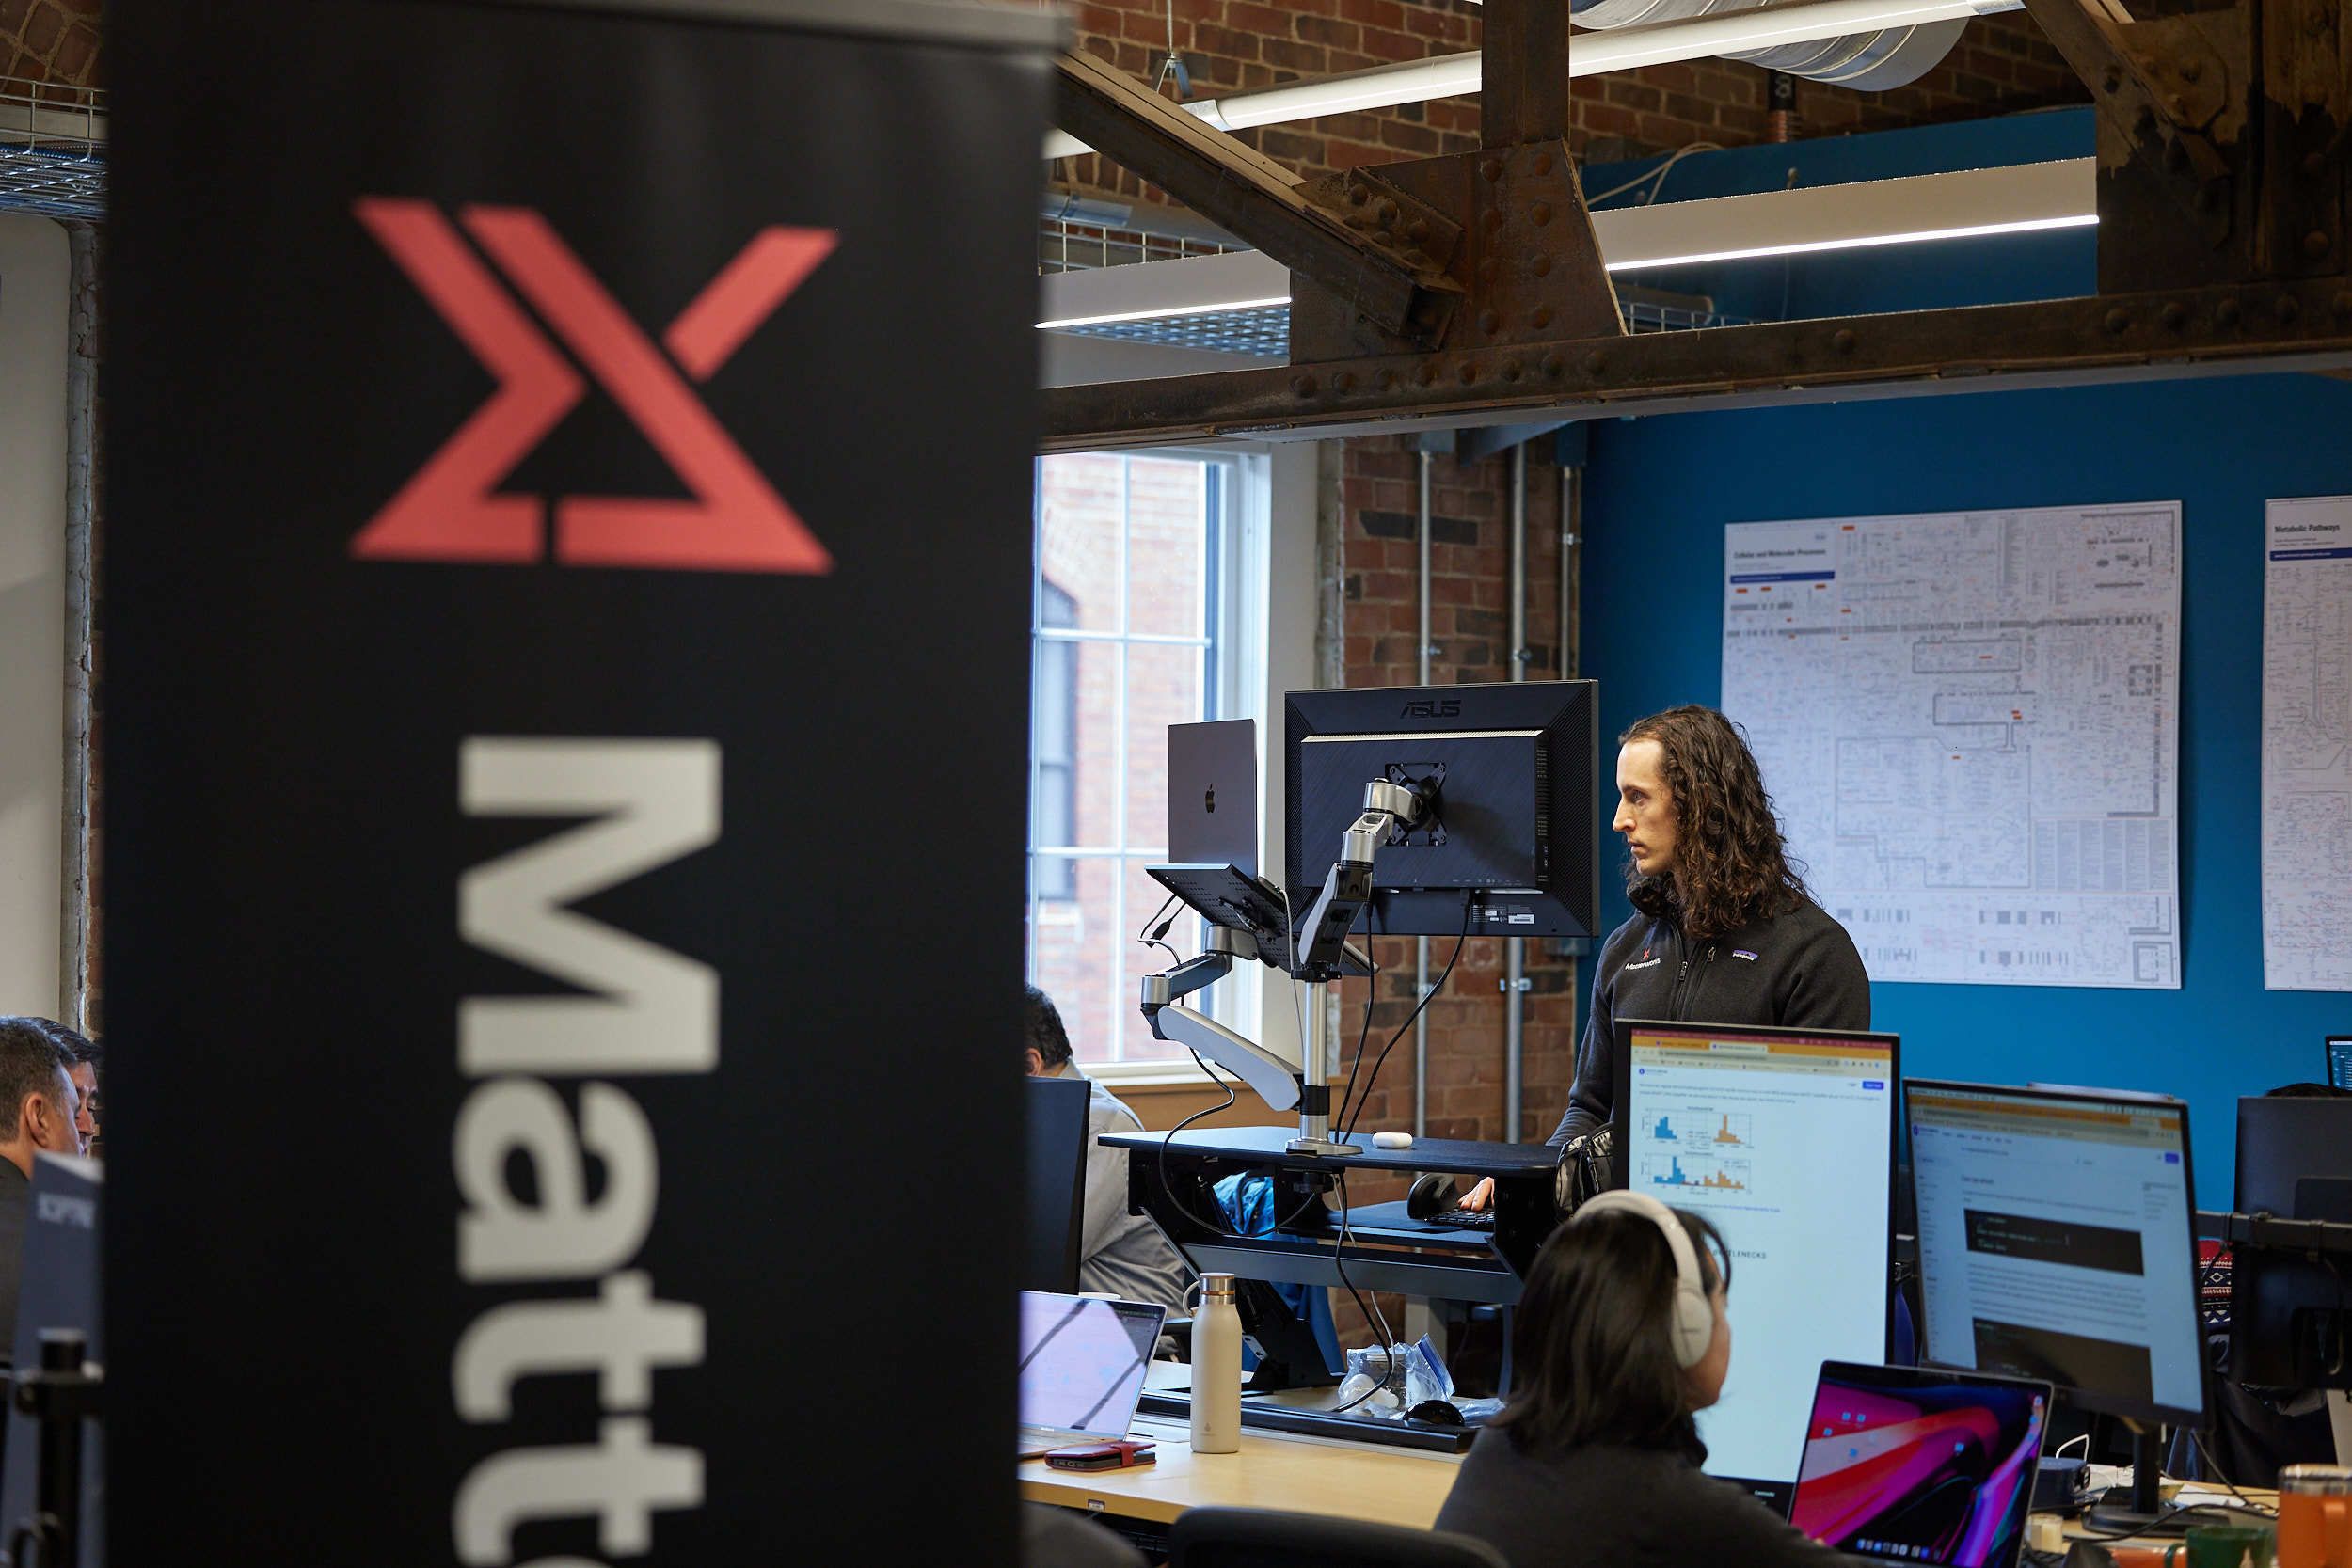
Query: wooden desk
[[1388, 1486]]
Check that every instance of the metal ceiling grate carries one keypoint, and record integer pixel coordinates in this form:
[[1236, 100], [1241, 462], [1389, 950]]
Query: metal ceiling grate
[[52, 149]]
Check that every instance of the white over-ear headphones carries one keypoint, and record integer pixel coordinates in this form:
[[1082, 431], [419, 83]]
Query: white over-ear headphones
[[1693, 1315]]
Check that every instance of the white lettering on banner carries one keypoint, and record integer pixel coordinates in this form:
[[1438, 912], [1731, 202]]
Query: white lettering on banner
[[654, 1010], [651, 1011]]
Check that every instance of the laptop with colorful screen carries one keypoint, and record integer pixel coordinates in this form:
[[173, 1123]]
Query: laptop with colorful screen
[[1910, 1464]]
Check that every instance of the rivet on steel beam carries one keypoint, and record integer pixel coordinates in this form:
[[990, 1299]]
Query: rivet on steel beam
[[1541, 212], [1489, 269], [1553, 364], [2316, 244], [2227, 313], [1385, 379], [1542, 316], [1386, 237], [2113, 80], [1596, 362], [2172, 315], [1426, 372], [1541, 266], [1492, 169], [1358, 195], [1466, 372], [2116, 320], [1512, 369], [1303, 386], [1389, 212], [1489, 320], [1492, 219], [1542, 163], [1842, 341], [1343, 382], [2287, 307], [1418, 230]]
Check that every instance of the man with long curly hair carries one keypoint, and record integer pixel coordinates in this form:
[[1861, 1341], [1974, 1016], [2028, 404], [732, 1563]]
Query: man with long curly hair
[[1724, 929]]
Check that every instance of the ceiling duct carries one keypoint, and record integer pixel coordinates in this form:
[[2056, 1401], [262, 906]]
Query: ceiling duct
[[1869, 61]]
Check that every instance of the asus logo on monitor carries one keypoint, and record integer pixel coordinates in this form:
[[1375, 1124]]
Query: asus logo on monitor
[[1432, 708]]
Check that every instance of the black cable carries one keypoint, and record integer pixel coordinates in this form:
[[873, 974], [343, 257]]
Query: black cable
[[1166, 1186], [1372, 994], [1374, 1317], [1470, 901]]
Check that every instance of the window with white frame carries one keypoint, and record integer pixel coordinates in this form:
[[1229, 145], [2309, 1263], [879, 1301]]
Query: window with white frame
[[1148, 576]]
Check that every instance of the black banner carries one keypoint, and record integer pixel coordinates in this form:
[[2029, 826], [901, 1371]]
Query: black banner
[[567, 667]]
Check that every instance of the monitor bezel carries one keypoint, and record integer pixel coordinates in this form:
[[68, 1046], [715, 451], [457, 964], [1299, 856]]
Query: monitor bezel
[[1548, 706], [2089, 1400], [1620, 1122]]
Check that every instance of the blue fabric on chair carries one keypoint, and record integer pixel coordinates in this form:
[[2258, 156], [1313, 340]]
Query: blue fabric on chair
[[1248, 1204]]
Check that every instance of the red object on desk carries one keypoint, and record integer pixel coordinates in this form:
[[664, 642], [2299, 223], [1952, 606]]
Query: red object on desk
[[1119, 1455]]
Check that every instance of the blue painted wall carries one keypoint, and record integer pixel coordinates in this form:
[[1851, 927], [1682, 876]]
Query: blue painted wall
[[1659, 491]]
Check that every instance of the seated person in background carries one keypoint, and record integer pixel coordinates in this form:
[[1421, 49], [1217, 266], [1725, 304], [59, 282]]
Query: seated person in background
[[85, 1075], [37, 1108], [1594, 1461], [1118, 1252]]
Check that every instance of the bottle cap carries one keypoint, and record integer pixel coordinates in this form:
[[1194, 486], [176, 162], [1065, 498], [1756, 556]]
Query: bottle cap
[[1217, 1285]]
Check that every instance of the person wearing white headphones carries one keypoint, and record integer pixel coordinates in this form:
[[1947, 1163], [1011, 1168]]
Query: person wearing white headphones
[[1594, 1462]]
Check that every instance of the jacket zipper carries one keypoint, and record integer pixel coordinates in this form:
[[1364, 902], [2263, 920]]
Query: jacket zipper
[[1678, 1000]]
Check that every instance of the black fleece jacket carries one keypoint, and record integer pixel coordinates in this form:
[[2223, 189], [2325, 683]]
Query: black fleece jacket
[[1608, 1506], [1798, 969]]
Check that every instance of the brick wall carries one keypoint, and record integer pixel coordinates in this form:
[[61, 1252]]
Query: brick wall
[[50, 40], [2001, 65]]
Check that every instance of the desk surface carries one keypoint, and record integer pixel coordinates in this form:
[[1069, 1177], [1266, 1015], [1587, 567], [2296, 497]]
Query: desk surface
[[1388, 1486], [1459, 1156]]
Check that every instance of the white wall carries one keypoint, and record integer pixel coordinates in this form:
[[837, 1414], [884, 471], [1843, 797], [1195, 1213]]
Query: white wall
[[35, 271], [1290, 608]]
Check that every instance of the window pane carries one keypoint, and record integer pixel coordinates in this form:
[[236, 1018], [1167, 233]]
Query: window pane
[[1143, 897], [1166, 531], [1071, 953], [1163, 689], [1094, 752], [1081, 514]]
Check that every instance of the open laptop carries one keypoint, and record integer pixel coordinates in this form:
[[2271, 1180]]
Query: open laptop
[[1213, 794], [1916, 1465], [1082, 1365]]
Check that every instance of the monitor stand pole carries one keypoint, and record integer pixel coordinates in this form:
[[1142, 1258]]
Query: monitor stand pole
[[1314, 1102], [2146, 1508]]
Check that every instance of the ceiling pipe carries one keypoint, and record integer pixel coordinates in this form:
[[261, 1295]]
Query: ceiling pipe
[[1696, 31]]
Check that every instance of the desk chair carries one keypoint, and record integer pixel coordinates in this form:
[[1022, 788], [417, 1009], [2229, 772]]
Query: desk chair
[[1262, 1538]]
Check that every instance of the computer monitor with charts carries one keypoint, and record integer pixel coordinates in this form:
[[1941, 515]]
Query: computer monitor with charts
[[1784, 1139], [2054, 1242], [2340, 1061]]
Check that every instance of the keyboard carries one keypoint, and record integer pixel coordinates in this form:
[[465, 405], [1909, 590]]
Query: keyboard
[[1465, 1219]]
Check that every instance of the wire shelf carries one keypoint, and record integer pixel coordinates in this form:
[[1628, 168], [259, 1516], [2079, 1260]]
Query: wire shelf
[[52, 149], [1264, 331]]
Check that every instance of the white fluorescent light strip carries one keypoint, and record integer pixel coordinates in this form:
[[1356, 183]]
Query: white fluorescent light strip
[[1213, 307], [1858, 242], [1592, 52]]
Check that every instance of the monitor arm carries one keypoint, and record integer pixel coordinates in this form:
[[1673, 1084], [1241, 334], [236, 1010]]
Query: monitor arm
[[1275, 1080], [1347, 887]]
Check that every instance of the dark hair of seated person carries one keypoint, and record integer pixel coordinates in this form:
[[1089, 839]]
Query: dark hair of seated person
[[1593, 1343]]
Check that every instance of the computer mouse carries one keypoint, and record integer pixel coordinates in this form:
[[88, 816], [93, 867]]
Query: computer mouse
[[1437, 1413], [1432, 1193]]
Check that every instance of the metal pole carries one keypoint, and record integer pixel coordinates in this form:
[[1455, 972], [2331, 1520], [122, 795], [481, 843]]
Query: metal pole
[[1420, 945], [1514, 957], [81, 440]]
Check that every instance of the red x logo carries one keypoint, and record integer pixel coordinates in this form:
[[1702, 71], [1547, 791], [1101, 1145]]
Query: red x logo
[[451, 510]]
